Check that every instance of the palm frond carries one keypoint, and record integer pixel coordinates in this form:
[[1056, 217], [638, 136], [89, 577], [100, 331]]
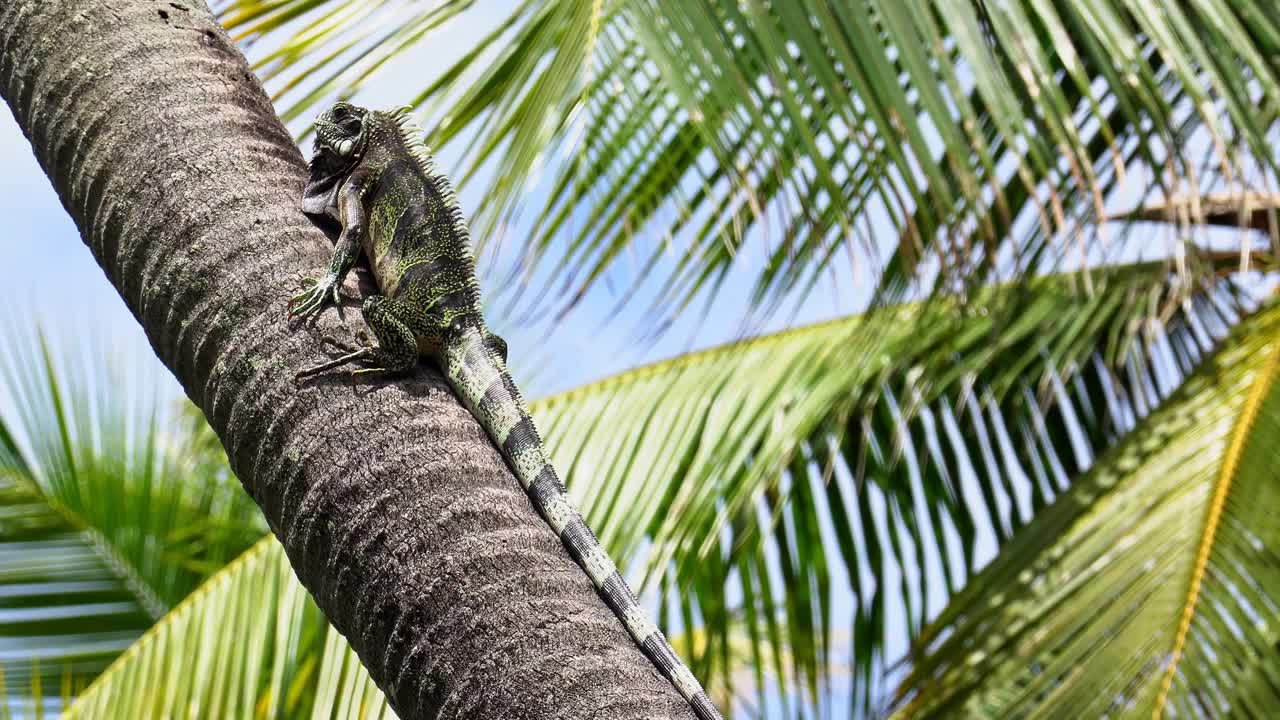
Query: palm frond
[[64, 613], [109, 518], [886, 456], [923, 140], [1246, 210], [1147, 589], [249, 643]]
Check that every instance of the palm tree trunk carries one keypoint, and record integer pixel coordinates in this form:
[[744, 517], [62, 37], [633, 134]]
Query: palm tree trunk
[[396, 512]]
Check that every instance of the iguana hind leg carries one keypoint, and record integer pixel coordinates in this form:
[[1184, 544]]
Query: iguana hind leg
[[396, 349]]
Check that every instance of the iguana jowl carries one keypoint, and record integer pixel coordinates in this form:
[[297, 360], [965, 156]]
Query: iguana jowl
[[371, 174]]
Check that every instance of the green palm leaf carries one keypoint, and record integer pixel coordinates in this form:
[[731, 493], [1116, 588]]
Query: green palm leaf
[[249, 643], [1149, 588], [256, 646], [679, 136], [752, 486], [876, 455], [64, 613], [110, 512]]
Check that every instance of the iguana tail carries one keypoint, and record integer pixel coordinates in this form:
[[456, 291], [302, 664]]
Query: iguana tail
[[481, 379]]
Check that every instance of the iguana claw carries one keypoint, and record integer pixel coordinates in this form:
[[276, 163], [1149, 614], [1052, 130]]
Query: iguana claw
[[312, 299]]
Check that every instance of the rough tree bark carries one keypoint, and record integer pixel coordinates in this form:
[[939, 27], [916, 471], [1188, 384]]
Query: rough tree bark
[[396, 512]]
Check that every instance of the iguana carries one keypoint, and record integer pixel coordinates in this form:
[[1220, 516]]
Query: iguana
[[374, 183]]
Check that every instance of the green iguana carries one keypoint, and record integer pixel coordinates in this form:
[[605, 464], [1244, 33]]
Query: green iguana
[[375, 184]]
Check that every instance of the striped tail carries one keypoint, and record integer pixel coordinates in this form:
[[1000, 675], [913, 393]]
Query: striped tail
[[480, 378]]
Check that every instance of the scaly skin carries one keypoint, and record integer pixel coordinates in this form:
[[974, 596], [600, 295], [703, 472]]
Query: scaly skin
[[374, 180]]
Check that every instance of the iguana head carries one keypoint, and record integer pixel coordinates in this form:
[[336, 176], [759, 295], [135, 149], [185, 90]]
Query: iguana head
[[340, 130], [342, 134]]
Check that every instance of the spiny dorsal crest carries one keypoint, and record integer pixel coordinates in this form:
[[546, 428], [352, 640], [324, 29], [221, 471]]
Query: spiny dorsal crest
[[412, 135]]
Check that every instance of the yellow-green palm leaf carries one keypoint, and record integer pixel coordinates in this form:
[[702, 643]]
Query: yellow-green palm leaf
[[911, 433], [111, 510], [249, 643], [1152, 587]]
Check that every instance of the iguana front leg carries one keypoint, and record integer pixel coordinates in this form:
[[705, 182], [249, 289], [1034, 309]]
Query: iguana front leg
[[352, 214]]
